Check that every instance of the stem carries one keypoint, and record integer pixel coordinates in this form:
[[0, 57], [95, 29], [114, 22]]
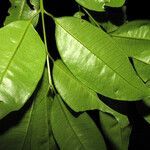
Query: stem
[[49, 14], [95, 22], [46, 47], [124, 10]]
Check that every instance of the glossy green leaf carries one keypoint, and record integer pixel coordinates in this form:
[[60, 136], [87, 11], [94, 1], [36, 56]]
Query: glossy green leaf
[[77, 132], [99, 5], [78, 96], [22, 58], [20, 10], [134, 39], [97, 61], [31, 131], [117, 136], [142, 69]]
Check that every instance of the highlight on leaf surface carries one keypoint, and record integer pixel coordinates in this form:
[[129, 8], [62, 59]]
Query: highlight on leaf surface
[[78, 96], [22, 62], [134, 38], [97, 61], [32, 129]]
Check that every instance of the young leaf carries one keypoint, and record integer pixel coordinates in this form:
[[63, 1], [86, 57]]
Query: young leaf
[[117, 135], [78, 132], [22, 58], [20, 10], [31, 131], [78, 96], [134, 39], [97, 61], [99, 5]]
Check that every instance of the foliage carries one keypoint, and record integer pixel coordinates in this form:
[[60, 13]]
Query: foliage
[[50, 100]]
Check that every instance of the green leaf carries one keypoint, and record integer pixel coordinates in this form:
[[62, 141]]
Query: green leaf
[[97, 61], [35, 4], [22, 58], [109, 26], [79, 14], [20, 10], [80, 98], [78, 132], [143, 107], [142, 69], [99, 5], [31, 131], [117, 135], [134, 39]]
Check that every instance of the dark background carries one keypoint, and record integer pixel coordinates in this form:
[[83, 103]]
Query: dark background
[[136, 9]]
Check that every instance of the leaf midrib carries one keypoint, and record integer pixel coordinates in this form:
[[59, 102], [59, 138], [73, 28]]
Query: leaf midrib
[[16, 50], [29, 122], [97, 56], [130, 38]]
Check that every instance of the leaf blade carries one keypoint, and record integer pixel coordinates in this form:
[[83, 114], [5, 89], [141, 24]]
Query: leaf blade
[[80, 98], [99, 5], [79, 129], [99, 56], [20, 10], [16, 86], [134, 39], [31, 130], [117, 135], [142, 69]]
